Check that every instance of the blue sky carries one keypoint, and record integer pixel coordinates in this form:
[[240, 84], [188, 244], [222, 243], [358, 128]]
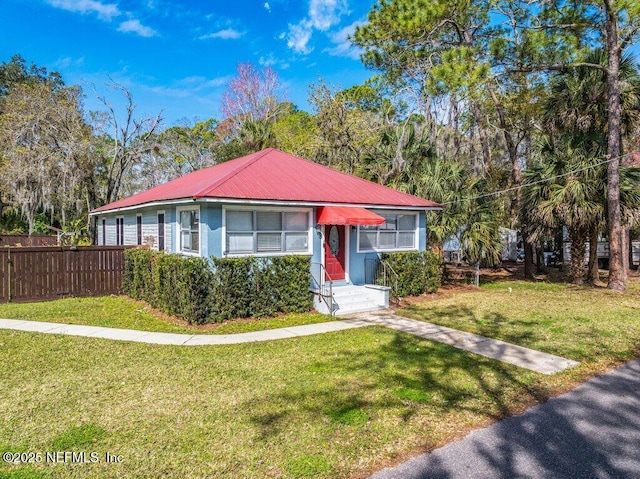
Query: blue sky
[[177, 56]]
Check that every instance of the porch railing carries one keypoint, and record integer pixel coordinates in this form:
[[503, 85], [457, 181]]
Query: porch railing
[[381, 273], [323, 285]]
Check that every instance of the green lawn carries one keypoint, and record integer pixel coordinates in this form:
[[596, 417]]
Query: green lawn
[[123, 312], [580, 323], [341, 404]]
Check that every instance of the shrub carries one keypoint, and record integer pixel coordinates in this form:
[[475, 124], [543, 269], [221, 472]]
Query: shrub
[[231, 288], [201, 292], [292, 277], [259, 287], [171, 283], [137, 281], [418, 271], [194, 287]]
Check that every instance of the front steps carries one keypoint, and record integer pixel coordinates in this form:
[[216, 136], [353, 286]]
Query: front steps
[[353, 299]]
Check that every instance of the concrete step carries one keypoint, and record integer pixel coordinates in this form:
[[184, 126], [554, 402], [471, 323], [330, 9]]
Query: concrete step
[[351, 299], [360, 307]]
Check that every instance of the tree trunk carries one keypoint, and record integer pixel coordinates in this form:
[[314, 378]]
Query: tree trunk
[[617, 273], [559, 245], [593, 275], [541, 267], [454, 124], [516, 206], [626, 249], [528, 253], [482, 135], [578, 250], [477, 275]]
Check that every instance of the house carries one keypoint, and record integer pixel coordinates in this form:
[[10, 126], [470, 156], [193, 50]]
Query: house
[[273, 203]]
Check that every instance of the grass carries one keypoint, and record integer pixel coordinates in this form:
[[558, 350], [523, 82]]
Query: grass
[[341, 404], [580, 323], [123, 312]]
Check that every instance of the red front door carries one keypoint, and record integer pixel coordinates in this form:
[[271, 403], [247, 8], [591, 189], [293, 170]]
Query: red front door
[[334, 252]]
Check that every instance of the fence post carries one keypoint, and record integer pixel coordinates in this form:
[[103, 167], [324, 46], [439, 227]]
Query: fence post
[[9, 265]]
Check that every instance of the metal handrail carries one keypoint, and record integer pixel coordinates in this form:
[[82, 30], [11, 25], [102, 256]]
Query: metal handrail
[[394, 289], [322, 287]]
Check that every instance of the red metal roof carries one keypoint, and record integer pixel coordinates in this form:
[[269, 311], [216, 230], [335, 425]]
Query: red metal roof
[[272, 175], [347, 215]]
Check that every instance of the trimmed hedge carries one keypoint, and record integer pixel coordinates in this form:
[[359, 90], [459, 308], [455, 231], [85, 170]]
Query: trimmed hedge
[[176, 285], [137, 281], [200, 291], [418, 271], [260, 287]]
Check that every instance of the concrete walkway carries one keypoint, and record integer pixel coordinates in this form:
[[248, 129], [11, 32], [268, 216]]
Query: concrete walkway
[[177, 338], [492, 348], [593, 432]]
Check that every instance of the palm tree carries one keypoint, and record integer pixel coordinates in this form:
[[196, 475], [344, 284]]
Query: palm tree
[[257, 135], [480, 229], [469, 212], [577, 119], [564, 189], [399, 156]]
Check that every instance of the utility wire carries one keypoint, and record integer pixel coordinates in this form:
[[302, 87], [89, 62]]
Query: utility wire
[[544, 180]]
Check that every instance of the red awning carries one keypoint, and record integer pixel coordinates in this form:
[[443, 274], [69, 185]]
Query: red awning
[[347, 215]]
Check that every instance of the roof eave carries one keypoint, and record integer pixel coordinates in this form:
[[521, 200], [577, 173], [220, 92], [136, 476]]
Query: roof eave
[[265, 202]]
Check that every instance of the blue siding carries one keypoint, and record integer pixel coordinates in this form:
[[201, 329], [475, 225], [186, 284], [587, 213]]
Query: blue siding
[[149, 227], [170, 213], [317, 240], [211, 235], [212, 223], [357, 260]]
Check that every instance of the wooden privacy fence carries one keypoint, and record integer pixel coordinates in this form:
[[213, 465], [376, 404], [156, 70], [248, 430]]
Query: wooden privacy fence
[[43, 273]]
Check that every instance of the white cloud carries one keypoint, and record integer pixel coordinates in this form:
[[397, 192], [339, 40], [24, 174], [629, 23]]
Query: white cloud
[[106, 11], [343, 45], [189, 87], [267, 61], [226, 34], [216, 82], [299, 36], [267, 7], [198, 83], [67, 62], [134, 26], [323, 14], [270, 61]]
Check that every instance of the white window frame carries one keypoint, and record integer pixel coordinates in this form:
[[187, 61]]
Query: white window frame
[[179, 210], [307, 211], [416, 245]]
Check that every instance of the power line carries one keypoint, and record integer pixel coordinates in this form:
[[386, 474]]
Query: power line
[[514, 188]]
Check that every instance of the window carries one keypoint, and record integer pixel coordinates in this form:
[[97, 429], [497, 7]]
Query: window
[[161, 231], [139, 228], [104, 232], [398, 232], [189, 223], [120, 230], [267, 232]]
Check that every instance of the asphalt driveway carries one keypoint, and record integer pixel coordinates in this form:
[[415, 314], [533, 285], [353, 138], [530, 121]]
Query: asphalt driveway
[[591, 432]]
